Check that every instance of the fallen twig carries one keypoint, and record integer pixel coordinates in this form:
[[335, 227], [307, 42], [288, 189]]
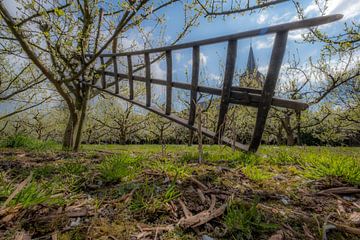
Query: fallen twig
[[200, 184], [127, 197], [201, 195], [17, 190], [340, 191], [202, 217], [346, 228], [312, 220], [186, 211]]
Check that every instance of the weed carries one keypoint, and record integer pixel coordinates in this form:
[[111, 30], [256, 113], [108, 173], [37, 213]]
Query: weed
[[21, 141], [284, 157], [151, 198], [145, 198], [34, 194], [171, 192], [343, 167], [243, 159], [256, 174], [45, 171], [244, 222], [72, 168], [6, 187], [189, 157], [171, 168], [117, 167]]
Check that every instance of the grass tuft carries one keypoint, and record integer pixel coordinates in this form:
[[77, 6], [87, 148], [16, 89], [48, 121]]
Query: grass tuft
[[118, 167], [256, 174], [21, 141], [245, 222], [34, 194], [343, 167], [243, 159], [6, 187], [284, 157]]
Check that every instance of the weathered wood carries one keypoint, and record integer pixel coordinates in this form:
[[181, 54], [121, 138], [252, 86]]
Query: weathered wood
[[148, 79], [239, 95], [269, 88], [226, 91], [262, 99], [116, 77], [103, 77], [246, 89], [174, 118], [130, 77], [194, 83], [168, 82], [257, 32], [243, 98]]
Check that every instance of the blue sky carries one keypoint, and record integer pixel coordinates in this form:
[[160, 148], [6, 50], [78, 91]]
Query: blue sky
[[213, 56]]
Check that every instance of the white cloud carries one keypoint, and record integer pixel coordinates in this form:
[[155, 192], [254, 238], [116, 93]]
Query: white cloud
[[203, 60], [262, 18], [265, 43], [311, 8], [178, 57], [263, 69], [157, 71], [348, 8], [283, 18], [297, 34]]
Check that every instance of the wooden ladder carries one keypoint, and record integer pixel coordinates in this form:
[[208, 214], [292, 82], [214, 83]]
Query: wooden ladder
[[262, 99]]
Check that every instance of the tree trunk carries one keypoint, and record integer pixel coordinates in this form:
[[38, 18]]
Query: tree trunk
[[76, 122], [290, 139], [71, 130], [83, 110], [122, 139]]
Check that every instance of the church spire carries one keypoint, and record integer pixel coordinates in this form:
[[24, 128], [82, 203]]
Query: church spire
[[251, 64]]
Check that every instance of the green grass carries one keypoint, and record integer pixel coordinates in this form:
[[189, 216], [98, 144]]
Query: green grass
[[150, 198], [25, 142], [102, 178], [118, 167], [170, 167], [146, 198], [171, 192], [246, 222], [72, 168], [315, 162], [255, 173], [34, 194], [284, 156], [6, 187], [345, 168]]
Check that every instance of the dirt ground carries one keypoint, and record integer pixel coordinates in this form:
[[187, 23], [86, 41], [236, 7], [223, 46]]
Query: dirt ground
[[143, 193]]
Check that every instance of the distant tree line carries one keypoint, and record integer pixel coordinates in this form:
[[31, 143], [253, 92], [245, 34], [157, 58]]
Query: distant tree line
[[42, 56]]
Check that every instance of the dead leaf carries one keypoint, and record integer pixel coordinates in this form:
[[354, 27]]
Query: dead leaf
[[354, 218], [22, 236], [279, 235]]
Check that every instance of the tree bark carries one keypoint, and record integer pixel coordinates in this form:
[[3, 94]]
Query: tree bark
[[83, 110], [70, 131]]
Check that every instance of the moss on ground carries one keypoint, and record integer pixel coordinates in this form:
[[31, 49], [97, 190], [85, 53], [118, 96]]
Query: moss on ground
[[112, 190]]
